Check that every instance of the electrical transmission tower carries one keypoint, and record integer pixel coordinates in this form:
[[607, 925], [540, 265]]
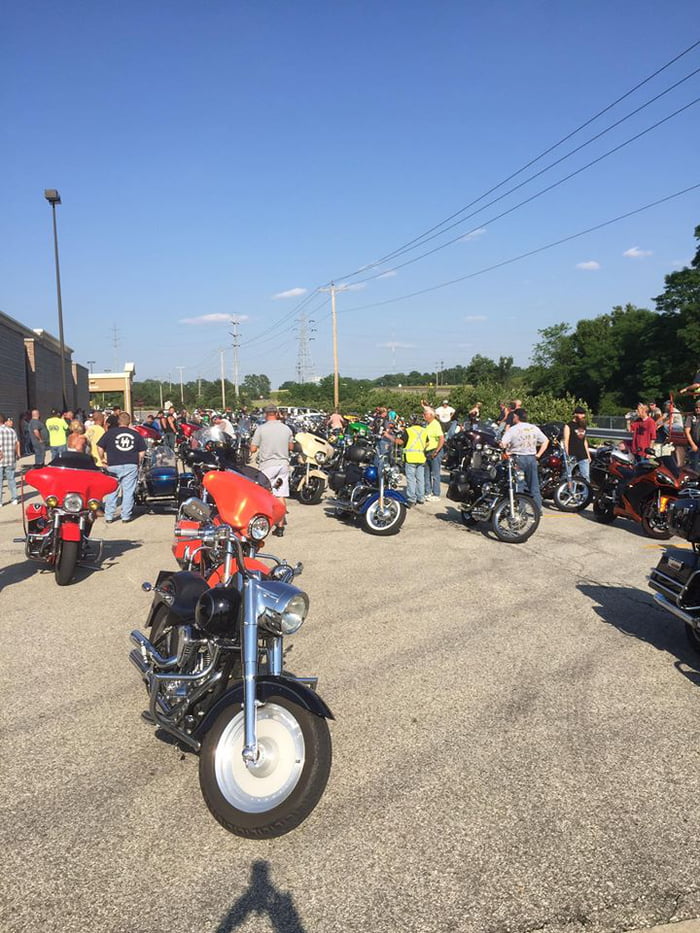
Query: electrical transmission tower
[[115, 347], [305, 366]]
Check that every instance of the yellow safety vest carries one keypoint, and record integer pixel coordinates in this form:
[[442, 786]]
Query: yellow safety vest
[[414, 451]]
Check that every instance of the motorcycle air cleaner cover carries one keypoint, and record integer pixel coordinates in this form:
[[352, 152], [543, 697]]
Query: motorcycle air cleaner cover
[[217, 611], [358, 453]]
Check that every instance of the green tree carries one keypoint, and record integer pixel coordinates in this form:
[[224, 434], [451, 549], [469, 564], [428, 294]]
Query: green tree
[[255, 386]]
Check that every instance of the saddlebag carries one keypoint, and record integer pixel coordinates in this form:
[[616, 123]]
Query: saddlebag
[[684, 517], [458, 490], [162, 482], [677, 578]]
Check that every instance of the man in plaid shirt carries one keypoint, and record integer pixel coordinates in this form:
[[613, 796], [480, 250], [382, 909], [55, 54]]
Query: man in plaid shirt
[[9, 451]]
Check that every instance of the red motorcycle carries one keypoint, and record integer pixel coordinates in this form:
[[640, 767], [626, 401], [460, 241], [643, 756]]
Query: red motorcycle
[[641, 491], [57, 530], [239, 504]]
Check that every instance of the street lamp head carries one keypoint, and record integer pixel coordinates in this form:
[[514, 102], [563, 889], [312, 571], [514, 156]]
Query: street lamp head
[[52, 196]]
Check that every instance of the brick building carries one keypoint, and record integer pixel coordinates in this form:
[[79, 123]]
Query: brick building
[[30, 371]]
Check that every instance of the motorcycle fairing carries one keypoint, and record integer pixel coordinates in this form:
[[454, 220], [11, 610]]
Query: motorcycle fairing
[[266, 686], [60, 480], [388, 494]]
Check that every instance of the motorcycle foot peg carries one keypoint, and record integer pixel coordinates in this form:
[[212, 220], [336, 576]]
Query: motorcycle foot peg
[[18, 540]]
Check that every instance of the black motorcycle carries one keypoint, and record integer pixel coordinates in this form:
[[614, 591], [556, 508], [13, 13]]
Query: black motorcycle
[[472, 447], [493, 494]]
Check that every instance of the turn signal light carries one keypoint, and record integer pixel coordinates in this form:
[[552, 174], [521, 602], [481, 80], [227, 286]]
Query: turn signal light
[[94, 505], [52, 501]]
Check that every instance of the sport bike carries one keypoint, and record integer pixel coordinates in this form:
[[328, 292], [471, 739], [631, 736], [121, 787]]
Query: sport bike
[[214, 672], [57, 530]]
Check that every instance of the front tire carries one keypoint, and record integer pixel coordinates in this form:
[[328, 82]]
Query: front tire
[[312, 491], [518, 527], [603, 512], [573, 495], [654, 522], [276, 794], [386, 521], [67, 562]]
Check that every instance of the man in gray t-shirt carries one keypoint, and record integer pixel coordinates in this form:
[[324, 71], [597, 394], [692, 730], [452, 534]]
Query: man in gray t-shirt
[[272, 442]]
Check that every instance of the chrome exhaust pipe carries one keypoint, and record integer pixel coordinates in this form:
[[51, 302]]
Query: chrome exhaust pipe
[[150, 653], [686, 617]]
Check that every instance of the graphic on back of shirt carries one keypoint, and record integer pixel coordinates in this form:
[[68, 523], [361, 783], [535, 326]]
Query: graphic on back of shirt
[[124, 442]]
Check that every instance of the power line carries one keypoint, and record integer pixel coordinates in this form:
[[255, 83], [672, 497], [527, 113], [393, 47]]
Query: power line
[[387, 257], [533, 252], [542, 171], [537, 194]]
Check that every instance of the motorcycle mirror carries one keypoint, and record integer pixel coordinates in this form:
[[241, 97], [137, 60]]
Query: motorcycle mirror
[[197, 510]]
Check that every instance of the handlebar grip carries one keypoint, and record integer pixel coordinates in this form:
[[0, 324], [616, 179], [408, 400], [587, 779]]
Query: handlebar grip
[[188, 533]]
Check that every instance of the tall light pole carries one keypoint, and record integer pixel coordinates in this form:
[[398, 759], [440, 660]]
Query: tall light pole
[[91, 363], [333, 288], [54, 198], [182, 388]]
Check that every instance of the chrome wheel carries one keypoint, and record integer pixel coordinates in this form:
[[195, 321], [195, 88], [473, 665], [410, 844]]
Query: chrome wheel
[[384, 521], [259, 787]]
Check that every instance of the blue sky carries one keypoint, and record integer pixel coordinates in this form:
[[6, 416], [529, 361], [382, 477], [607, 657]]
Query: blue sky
[[212, 156]]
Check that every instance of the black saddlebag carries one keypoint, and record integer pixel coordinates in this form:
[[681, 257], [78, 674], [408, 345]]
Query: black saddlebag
[[458, 490], [684, 518], [677, 578]]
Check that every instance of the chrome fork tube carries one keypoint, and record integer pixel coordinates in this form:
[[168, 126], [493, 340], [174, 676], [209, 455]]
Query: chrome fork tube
[[250, 667], [511, 495], [228, 563], [381, 484], [274, 656]]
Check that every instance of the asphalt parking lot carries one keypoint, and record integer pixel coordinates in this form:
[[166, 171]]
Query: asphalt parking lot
[[515, 745]]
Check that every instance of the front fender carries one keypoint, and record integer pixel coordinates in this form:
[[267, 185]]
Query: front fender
[[268, 686], [388, 494], [70, 531], [318, 473]]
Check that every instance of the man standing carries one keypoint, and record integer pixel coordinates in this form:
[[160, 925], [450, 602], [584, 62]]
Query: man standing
[[9, 452], [38, 437], [576, 443], [123, 450], [58, 430], [414, 453], [433, 452], [521, 440], [273, 441], [692, 432], [643, 432], [445, 415]]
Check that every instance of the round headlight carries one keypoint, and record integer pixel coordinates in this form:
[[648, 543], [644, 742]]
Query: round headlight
[[295, 613], [259, 527], [519, 475], [320, 456], [283, 607], [52, 501], [73, 502]]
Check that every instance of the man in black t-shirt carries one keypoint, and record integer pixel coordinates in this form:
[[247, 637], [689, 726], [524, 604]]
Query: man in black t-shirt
[[123, 450]]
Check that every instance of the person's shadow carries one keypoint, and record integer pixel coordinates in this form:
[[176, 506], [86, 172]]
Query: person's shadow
[[634, 613], [263, 899]]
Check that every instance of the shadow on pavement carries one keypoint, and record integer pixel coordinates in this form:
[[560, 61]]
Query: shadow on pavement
[[25, 569], [633, 613], [262, 899]]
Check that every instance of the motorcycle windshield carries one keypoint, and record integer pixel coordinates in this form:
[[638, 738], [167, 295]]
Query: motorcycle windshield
[[58, 481], [239, 499]]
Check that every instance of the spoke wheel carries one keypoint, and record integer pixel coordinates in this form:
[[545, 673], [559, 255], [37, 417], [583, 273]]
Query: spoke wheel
[[386, 521], [275, 794], [518, 525], [573, 495], [312, 491]]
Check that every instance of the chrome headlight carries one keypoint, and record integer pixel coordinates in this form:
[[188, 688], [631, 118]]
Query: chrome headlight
[[320, 457], [73, 502], [519, 475], [282, 607], [259, 527]]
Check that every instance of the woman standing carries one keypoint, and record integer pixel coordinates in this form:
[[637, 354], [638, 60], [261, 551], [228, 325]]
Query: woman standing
[[576, 442]]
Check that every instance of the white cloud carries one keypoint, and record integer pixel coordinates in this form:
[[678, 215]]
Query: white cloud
[[680, 263], [474, 318], [214, 319], [473, 234], [589, 265], [357, 287], [291, 293], [636, 253], [396, 345], [388, 275]]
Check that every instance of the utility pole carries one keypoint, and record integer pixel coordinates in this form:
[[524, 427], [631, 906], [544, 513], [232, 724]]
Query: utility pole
[[437, 375], [170, 382], [115, 346], [160, 386], [182, 388], [91, 363], [223, 384], [333, 289], [236, 344]]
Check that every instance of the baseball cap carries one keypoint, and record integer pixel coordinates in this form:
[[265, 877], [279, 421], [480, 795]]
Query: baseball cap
[[270, 409], [579, 410], [444, 401]]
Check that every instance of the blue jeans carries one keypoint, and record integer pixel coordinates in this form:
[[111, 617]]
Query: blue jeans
[[584, 468], [8, 472], [432, 473], [39, 452], [415, 482], [528, 464], [693, 459], [127, 474], [57, 451]]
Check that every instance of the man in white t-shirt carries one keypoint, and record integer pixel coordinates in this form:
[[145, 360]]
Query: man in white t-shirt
[[273, 442], [445, 415]]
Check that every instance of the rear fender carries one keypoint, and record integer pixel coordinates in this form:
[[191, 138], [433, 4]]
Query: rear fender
[[388, 494], [70, 531], [267, 686]]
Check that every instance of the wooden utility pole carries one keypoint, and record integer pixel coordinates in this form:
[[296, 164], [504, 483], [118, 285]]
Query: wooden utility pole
[[333, 288], [223, 388]]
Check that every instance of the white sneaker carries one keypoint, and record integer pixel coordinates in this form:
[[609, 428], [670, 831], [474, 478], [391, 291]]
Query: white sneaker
[[15, 502]]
